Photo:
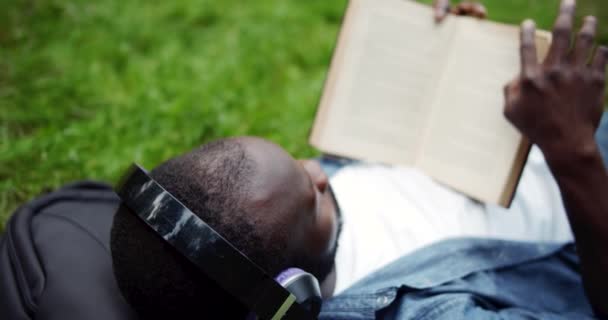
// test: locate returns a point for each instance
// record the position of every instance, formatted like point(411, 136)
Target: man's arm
point(558, 106)
point(583, 182)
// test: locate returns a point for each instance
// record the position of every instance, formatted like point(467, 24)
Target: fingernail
point(590, 19)
point(439, 17)
point(529, 24)
point(569, 2)
point(568, 6)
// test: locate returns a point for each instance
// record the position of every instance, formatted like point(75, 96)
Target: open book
point(403, 90)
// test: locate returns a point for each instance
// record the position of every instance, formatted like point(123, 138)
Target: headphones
point(293, 295)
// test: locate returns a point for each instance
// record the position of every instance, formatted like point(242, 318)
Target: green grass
point(86, 87)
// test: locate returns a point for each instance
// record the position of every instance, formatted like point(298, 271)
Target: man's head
point(278, 211)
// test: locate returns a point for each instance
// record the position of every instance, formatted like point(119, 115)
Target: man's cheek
point(329, 223)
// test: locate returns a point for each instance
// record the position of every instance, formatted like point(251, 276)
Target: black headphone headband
point(206, 248)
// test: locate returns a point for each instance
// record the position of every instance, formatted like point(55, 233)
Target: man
point(282, 213)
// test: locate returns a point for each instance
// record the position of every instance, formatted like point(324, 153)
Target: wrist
point(573, 157)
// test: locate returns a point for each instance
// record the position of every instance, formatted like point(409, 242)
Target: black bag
point(55, 260)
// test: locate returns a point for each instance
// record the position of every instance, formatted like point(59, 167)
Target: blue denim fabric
point(331, 165)
point(470, 279)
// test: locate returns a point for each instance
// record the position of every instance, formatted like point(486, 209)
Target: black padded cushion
point(55, 260)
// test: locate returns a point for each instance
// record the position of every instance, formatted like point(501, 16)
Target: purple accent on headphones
point(287, 275)
point(282, 278)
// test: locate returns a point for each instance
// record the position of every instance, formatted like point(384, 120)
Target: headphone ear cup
point(304, 286)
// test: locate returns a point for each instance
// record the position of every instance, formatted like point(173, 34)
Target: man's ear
point(318, 176)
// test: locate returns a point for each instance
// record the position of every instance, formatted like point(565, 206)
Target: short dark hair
point(153, 277)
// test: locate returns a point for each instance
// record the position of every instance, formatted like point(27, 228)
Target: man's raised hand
point(557, 104)
point(465, 8)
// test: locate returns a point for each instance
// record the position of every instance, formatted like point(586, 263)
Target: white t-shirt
point(391, 211)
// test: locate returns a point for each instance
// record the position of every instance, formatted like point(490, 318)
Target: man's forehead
point(276, 172)
point(280, 189)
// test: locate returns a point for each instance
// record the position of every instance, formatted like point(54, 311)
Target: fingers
point(598, 76)
point(511, 91)
point(529, 58)
point(562, 33)
point(468, 8)
point(441, 9)
point(508, 93)
point(584, 42)
point(463, 8)
point(599, 62)
point(480, 11)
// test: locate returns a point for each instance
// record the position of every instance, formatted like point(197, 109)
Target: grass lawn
point(86, 87)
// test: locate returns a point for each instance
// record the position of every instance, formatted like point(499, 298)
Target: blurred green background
point(86, 87)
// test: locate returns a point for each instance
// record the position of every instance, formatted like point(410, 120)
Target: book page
point(377, 97)
point(469, 144)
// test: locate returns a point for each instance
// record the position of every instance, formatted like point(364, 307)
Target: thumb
point(441, 9)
